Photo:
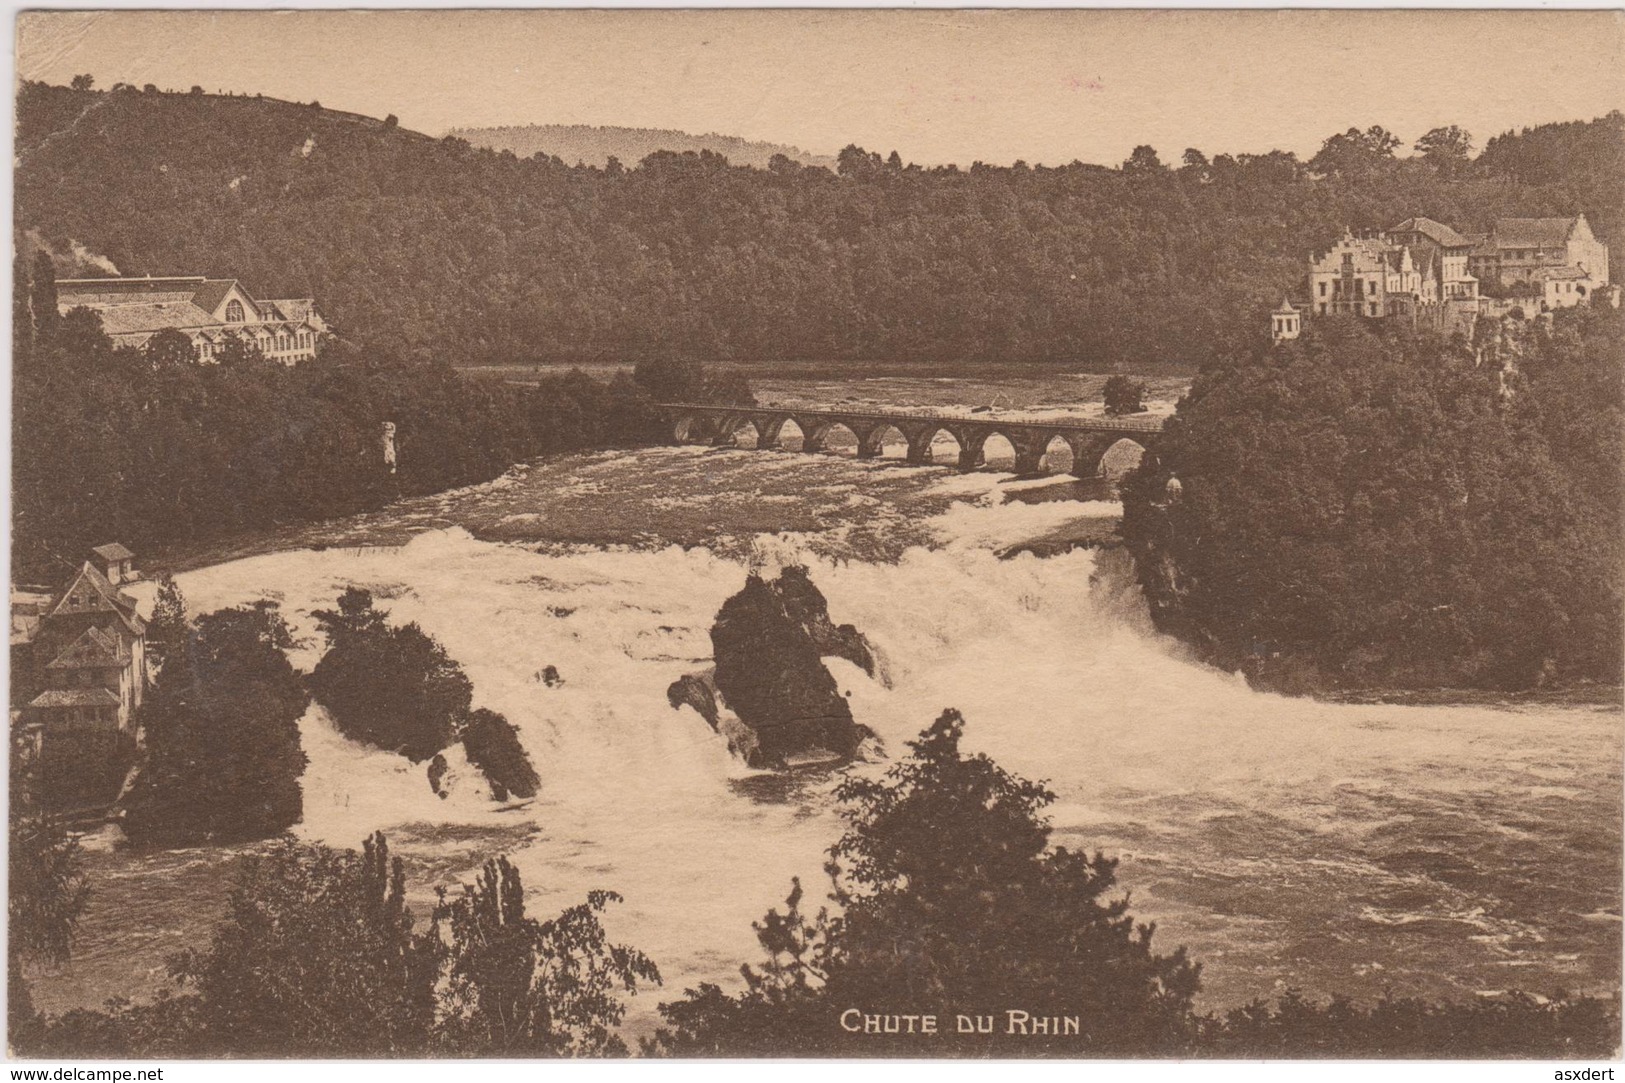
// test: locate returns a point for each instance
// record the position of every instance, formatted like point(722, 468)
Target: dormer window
point(234, 312)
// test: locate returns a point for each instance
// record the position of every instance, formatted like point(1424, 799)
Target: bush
point(392, 688)
point(492, 745)
point(949, 891)
point(223, 758)
point(1122, 396)
point(318, 956)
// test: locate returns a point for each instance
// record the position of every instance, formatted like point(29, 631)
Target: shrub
point(223, 758)
point(492, 745)
point(393, 688)
point(949, 890)
point(1122, 396)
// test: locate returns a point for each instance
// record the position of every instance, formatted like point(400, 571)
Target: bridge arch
point(1058, 456)
point(790, 436)
point(885, 441)
point(996, 450)
point(925, 440)
point(737, 438)
point(1121, 457)
point(1107, 456)
point(693, 429)
point(839, 438)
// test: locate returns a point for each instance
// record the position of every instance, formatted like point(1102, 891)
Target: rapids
point(1427, 850)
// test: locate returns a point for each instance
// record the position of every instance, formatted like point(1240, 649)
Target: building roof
point(149, 318)
point(1563, 273)
point(1286, 308)
point(1437, 232)
point(113, 551)
point(213, 294)
point(75, 697)
point(94, 649)
point(291, 309)
point(133, 309)
point(1532, 232)
point(113, 600)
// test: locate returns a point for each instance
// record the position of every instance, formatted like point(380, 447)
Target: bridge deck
point(1094, 424)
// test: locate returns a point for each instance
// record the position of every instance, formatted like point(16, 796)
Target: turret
point(1285, 322)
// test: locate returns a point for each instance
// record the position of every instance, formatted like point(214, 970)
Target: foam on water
point(1180, 767)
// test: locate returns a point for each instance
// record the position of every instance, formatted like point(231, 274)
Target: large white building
point(1416, 269)
point(209, 311)
point(1426, 272)
point(1557, 261)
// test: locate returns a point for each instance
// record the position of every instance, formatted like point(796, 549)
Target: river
point(1437, 850)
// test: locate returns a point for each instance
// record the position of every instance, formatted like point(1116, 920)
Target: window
point(1323, 289)
point(1373, 308)
point(234, 312)
point(1323, 308)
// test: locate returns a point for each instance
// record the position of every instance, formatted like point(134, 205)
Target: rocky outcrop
point(804, 605)
point(769, 641)
point(697, 690)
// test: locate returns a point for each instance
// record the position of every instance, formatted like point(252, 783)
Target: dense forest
point(598, 145)
point(151, 448)
point(1394, 507)
point(433, 249)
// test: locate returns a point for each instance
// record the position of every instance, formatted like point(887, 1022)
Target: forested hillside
point(1381, 506)
point(438, 250)
point(597, 145)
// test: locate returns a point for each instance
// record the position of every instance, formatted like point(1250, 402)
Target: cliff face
point(769, 642)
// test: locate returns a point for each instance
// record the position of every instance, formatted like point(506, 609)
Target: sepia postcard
point(816, 534)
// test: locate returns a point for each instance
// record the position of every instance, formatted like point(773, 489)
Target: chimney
point(114, 561)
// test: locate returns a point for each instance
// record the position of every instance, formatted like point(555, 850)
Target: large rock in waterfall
point(769, 641)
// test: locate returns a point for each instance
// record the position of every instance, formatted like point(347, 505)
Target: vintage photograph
point(816, 534)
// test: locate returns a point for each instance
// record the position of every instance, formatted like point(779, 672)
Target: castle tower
point(1285, 322)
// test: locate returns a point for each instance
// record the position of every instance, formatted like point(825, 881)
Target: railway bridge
point(1088, 439)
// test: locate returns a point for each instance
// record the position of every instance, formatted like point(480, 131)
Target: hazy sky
point(938, 86)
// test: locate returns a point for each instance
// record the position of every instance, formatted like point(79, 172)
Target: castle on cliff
point(1425, 272)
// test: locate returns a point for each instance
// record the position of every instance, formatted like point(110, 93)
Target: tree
point(391, 122)
point(1355, 153)
point(950, 894)
point(314, 957)
point(1348, 497)
point(46, 892)
point(671, 378)
point(82, 82)
point(168, 627)
point(1143, 161)
point(1123, 396)
point(238, 351)
point(169, 348)
point(393, 688)
point(521, 987)
point(1446, 149)
point(223, 757)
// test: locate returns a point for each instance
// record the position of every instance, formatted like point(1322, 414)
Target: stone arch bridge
point(1088, 439)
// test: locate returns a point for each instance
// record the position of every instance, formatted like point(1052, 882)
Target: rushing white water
point(1197, 779)
point(1440, 850)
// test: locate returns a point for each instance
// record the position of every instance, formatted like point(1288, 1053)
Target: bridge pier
point(768, 428)
point(867, 447)
point(1030, 451)
point(813, 432)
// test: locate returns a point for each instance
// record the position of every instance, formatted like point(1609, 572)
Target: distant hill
point(588, 145)
point(436, 248)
